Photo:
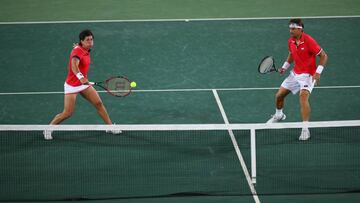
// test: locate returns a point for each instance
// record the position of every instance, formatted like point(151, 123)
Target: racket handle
point(91, 83)
point(313, 83)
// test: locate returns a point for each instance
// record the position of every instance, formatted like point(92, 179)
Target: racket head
point(267, 65)
point(118, 86)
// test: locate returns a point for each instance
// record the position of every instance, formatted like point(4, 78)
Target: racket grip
point(91, 83)
point(313, 83)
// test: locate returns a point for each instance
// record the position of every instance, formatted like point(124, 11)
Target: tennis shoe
point(276, 118)
point(305, 135)
point(47, 134)
point(115, 132)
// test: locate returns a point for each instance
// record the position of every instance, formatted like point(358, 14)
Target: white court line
point(187, 90)
point(237, 148)
point(175, 20)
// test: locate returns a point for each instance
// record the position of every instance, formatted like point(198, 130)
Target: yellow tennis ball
point(133, 84)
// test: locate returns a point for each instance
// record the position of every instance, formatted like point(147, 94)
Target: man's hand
point(316, 77)
point(281, 71)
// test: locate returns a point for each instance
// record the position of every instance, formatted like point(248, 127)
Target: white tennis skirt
point(68, 89)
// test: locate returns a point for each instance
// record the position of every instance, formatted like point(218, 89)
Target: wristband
point(319, 69)
point(286, 65)
point(79, 75)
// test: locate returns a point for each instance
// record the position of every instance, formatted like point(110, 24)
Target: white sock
point(305, 126)
point(279, 112)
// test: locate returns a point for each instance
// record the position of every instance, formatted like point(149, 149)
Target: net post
point(253, 155)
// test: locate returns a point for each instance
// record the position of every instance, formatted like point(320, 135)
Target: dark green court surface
point(176, 64)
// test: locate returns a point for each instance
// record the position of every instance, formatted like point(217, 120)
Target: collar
point(301, 40)
point(84, 50)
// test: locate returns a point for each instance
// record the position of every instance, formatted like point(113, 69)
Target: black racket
point(267, 65)
point(118, 86)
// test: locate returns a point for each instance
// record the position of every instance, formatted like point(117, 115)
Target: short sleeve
point(77, 53)
point(313, 46)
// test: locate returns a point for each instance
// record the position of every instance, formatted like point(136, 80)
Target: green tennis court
point(178, 66)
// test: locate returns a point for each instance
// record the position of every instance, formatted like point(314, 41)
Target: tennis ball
point(133, 84)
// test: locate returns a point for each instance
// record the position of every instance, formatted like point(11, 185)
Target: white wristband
point(319, 69)
point(286, 65)
point(79, 75)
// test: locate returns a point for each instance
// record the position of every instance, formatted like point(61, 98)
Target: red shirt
point(304, 54)
point(84, 56)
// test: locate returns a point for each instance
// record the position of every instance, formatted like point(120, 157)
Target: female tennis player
point(303, 50)
point(77, 82)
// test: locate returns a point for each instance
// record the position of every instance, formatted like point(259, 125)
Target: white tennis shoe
point(276, 118)
point(305, 135)
point(115, 132)
point(47, 134)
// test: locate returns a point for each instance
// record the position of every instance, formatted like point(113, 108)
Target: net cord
point(181, 127)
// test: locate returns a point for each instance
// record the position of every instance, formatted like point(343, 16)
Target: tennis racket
point(267, 65)
point(118, 86)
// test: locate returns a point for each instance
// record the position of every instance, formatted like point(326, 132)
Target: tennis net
point(85, 162)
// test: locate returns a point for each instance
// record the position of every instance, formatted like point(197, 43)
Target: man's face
point(295, 32)
point(88, 42)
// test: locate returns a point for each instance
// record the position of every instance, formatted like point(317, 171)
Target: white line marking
point(221, 108)
point(253, 154)
point(188, 90)
point(237, 148)
point(173, 20)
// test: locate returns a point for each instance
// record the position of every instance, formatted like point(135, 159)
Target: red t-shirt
point(84, 64)
point(304, 54)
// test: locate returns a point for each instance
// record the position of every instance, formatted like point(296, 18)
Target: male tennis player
point(77, 82)
point(303, 50)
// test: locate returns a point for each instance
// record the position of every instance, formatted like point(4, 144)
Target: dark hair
point(297, 21)
point(83, 34)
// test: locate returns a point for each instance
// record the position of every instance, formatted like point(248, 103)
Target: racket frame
point(273, 67)
point(103, 85)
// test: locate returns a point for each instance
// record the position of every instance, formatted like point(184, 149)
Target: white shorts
point(296, 82)
point(68, 89)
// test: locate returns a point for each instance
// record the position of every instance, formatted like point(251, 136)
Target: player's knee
point(304, 96)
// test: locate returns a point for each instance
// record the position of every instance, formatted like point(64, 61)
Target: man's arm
point(286, 64)
point(290, 58)
point(323, 60)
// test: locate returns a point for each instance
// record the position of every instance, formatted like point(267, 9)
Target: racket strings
point(266, 65)
point(118, 86)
